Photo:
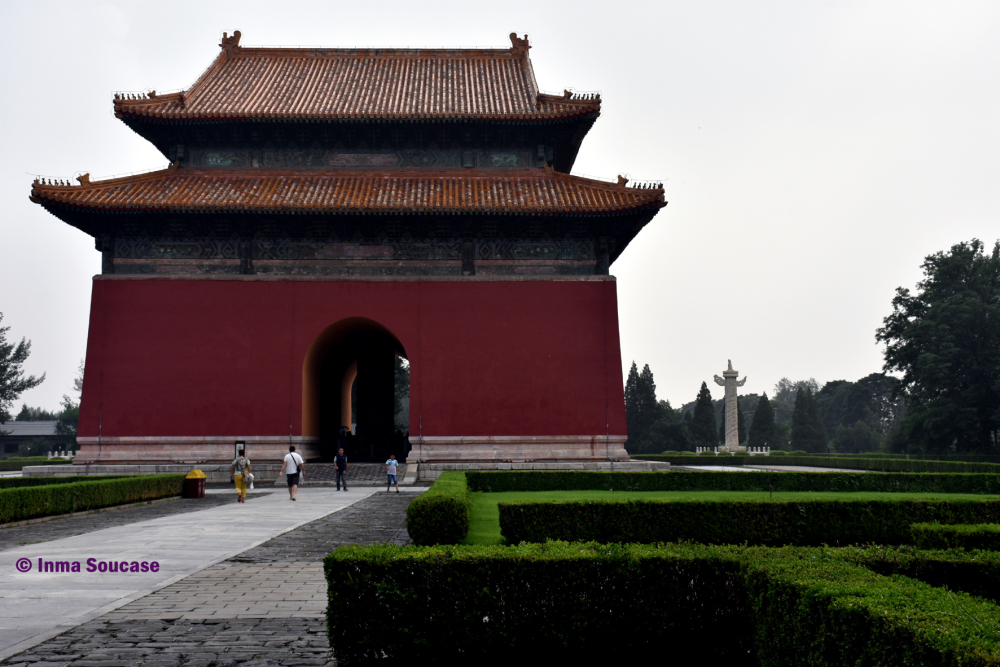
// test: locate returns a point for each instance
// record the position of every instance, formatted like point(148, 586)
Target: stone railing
point(752, 451)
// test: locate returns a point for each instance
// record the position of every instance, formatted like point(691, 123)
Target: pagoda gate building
point(328, 209)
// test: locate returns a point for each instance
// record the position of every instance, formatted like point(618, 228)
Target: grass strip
point(763, 522)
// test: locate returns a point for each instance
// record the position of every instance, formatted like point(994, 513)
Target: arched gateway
point(353, 349)
point(308, 223)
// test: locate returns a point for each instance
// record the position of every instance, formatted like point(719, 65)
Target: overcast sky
point(812, 154)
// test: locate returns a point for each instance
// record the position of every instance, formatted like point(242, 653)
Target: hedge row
point(886, 465)
point(973, 572)
point(773, 523)
point(578, 480)
point(14, 482)
point(960, 536)
point(698, 603)
point(13, 463)
point(440, 515)
point(30, 502)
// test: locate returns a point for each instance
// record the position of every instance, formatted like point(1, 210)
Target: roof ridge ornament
point(231, 45)
point(519, 46)
point(622, 181)
point(84, 179)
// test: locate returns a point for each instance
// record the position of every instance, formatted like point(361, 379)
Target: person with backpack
point(238, 471)
point(295, 466)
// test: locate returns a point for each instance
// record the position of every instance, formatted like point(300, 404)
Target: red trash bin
point(194, 484)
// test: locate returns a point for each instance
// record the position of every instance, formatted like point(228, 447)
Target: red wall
point(169, 357)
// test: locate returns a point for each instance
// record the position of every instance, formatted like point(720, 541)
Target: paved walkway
point(36, 606)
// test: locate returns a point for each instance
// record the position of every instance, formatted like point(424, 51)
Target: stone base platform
point(518, 449)
point(431, 471)
point(189, 450)
point(216, 472)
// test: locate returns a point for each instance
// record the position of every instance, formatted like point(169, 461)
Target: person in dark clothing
point(340, 462)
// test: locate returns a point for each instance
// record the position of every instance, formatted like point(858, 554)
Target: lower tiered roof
point(538, 192)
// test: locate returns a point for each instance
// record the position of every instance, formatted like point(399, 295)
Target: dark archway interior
point(373, 351)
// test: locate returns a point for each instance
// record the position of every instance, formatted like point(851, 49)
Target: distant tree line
point(942, 344)
point(842, 416)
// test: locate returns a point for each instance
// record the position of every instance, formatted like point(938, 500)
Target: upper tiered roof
point(309, 84)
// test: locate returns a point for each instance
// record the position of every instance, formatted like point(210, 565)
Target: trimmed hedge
point(17, 463)
point(886, 465)
point(440, 515)
point(15, 482)
point(580, 480)
point(973, 572)
point(588, 601)
point(31, 502)
point(773, 523)
point(956, 536)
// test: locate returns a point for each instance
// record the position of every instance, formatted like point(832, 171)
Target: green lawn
point(484, 520)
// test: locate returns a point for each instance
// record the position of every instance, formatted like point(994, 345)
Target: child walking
point(390, 467)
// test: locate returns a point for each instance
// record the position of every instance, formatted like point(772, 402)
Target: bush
point(721, 453)
point(778, 452)
point(30, 502)
point(798, 452)
point(976, 573)
point(771, 523)
point(956, 536)
point(18, 462)
point(700, 454)
point(14, 482)
point(581, 480)
point(671, 453)
point(440, 515)
point(585, 601)
point(741, 453)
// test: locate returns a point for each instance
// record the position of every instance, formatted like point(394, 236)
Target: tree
point(762, 426)
point(34, 414)
point(807, 430)
point(641, 407)
point(13, 381)
point(703, 421)
point(945, 340)
point(668, 433)
point(857, 439)
point(784, 396)
point(69, 418)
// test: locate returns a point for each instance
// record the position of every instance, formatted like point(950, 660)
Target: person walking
point(237, 469)
point(295, 466)
point(390, 468)
point(340, 463)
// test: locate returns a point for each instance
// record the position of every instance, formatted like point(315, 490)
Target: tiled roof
point(532, 191)
point(363, 84)
point(29, 428)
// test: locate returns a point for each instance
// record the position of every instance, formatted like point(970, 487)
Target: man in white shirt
point(295, 465)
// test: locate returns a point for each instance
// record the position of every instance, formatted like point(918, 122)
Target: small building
point(13, 433)
point(328, 209)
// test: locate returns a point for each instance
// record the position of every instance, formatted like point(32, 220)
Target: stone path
point(46, 531)
point(209, 619)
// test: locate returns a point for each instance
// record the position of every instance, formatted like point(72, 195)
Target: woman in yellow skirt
point(239, 467)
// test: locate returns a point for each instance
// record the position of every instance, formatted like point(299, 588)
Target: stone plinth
point(189, 450)
point(431, 471)
point(518, 449)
